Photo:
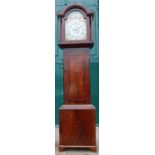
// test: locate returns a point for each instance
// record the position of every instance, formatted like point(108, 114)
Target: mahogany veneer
point(77, 116)
point(76, 76)
point(77, 127)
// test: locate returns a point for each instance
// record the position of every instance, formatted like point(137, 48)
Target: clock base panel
point(77, 128)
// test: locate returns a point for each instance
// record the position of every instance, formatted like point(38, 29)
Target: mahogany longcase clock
point(77, 116)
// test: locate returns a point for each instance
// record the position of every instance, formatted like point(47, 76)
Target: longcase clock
point(77, 116)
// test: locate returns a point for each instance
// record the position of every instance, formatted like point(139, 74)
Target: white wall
point(127, 57)
point(27, 77)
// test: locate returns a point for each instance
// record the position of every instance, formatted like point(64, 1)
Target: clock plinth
point(77, 116)
point(77, 126)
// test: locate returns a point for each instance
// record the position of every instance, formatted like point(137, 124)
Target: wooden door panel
point(76, 88)
point(76, 76)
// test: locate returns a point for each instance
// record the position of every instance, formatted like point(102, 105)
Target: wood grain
point(76, 76)
point(77, 117)
point(74, 151)
point(77, 127)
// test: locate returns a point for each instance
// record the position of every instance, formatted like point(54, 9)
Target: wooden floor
point(74, 151)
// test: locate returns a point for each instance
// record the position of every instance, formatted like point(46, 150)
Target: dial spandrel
point(75, 27)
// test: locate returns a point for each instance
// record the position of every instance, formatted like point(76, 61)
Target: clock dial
point(75, 27)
